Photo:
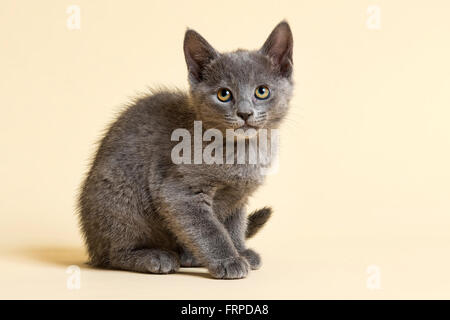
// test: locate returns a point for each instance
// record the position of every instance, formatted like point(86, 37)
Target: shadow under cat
point(67, 256)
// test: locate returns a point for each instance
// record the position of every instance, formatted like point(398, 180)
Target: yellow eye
point(262, 92)
point(224, 95)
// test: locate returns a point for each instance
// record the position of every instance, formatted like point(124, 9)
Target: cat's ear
point(198, 54)
point(279, 46)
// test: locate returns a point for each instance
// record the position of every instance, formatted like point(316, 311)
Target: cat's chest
point(228, 185)
point(244, 176)
point(234, 186)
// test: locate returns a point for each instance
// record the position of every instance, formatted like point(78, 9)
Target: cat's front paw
point(232, 268)
point(161, 261)
point(253, 258)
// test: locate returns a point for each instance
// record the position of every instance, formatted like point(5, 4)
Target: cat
point(140, 212)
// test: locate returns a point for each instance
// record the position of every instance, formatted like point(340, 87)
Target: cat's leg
point(236, 224)
point(125, 239)
point(118, 235)
point(145, 260)
point(189, 214)
point(187, 259)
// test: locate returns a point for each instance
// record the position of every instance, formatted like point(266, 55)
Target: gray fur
point(141, 212)
point(256, 220)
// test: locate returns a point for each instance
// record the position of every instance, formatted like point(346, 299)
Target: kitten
point(140, 211)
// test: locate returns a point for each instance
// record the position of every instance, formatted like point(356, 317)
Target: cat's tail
point(256, 220)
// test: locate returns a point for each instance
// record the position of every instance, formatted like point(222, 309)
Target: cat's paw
point(160, 261)
point(232, 268)
point(253, 258)
point(188, 260)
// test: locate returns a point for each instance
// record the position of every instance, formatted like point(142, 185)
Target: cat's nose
point(244, 114)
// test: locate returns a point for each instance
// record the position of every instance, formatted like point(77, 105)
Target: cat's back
point(138, 141)
point(148, 121)
point(161, 111)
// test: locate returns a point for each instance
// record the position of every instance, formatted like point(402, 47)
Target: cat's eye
point(262, 92)
point(224, 95)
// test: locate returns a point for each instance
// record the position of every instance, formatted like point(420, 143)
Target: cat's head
point(241, 89)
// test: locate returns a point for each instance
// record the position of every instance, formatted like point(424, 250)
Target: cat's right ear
point(198, 54)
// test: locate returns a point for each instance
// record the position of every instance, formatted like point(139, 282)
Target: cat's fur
point(141, 212)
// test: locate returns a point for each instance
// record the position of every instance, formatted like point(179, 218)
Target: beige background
point(364, 176)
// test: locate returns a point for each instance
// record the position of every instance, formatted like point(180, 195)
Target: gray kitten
point(140, 211)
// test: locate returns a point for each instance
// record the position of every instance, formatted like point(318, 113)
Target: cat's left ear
point(198, 54)
point(279, 46)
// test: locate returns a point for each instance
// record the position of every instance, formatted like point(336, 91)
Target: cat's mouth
point(247, 126)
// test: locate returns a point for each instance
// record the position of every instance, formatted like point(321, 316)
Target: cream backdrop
point(361, 198)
